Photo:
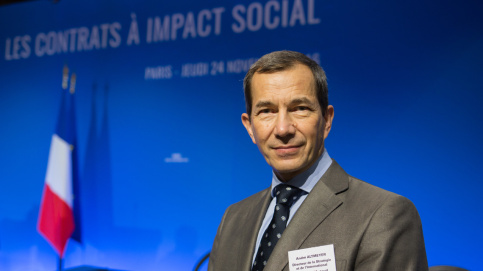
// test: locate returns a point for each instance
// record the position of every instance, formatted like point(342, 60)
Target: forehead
point(294, 82)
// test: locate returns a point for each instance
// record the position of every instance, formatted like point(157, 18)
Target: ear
point(329, 116)
point(248, 125)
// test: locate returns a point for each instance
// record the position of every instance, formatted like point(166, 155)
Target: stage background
point(162, 149)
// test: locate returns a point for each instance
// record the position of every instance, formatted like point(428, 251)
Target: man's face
point(286, 120)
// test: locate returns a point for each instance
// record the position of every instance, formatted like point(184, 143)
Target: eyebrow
point(263, 103)
point(301, 100)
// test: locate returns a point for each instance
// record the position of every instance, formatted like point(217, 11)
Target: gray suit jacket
point(371, 229)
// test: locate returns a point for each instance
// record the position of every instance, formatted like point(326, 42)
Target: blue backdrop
point(159, 98)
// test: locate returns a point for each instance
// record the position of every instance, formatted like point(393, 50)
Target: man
point(288, 118)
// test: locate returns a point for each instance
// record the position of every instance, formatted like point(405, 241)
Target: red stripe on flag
point(56, 220)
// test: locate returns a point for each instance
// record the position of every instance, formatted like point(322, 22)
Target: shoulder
point(365, 193)
point(389, 222)
point(379, 210)
point(364, 199)
point(364, 189)
point(352, 190)
point(250, 202)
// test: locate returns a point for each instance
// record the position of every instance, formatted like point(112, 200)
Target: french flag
point(56, 217)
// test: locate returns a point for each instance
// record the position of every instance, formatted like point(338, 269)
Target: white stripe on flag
point(59, 169)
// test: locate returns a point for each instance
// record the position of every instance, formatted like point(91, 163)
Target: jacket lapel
point(253, 218)
point(319, 204)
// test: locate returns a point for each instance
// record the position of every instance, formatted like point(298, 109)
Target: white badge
point(312, 259)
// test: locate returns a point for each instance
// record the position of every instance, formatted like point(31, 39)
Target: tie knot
point(287, 194)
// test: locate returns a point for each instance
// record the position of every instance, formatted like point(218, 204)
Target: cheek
point(315, 132)
point(256, 135)
point(262, 131)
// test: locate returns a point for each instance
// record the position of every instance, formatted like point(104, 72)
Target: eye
point(265, 111)
point(301, 108)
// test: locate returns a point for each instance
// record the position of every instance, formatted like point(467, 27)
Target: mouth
point(284, 151)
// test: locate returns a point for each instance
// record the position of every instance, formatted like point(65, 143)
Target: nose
point(285, 125)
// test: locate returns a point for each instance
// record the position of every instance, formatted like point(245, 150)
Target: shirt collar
point(307, 179)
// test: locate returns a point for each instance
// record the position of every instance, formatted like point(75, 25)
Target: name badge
point(312, 259)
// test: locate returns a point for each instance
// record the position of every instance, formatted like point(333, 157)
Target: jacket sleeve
point(393, 240)
point(214, 261)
